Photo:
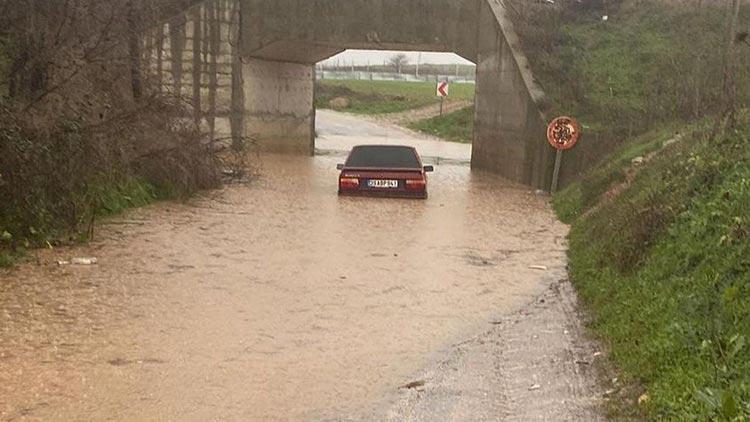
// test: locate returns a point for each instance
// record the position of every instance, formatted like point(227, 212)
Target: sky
point(363, 57)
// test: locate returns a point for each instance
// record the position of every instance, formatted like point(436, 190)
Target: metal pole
point(442, 100)
point(556, 174)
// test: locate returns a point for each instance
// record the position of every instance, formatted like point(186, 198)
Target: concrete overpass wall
point(279, 105)
point(284, 39)
point(307, 31)
point(510, 121)
point(510, 124)
point(255, 67)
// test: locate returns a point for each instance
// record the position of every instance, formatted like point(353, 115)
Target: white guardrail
point(379, 76)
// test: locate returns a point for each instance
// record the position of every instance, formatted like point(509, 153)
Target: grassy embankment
point(380, 97)
point(457, 126)
point(664, 269)
point(648, 66)
point(661, 258)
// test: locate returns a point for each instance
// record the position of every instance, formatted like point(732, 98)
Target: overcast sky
point(363, 57)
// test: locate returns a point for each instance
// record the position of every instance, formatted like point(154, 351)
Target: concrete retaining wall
point(170, 50)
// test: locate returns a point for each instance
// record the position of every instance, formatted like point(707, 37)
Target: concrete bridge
point(250, 64)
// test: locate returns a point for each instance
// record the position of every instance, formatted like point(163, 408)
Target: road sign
point(443, 88)
point(563, 133)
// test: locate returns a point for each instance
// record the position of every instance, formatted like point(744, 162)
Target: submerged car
point(384, 170)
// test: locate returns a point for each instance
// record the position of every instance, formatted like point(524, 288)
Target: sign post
point(563, 133)
point(443, 89)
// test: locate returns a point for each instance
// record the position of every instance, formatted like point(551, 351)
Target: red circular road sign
point(563, 133)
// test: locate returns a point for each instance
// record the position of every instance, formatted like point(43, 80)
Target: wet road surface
point(275, 300)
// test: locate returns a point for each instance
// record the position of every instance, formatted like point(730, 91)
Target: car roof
point(403, 149)
point(384, 146)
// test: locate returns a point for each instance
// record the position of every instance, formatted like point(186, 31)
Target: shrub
point(55, 180)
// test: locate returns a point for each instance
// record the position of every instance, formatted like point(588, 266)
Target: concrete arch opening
point(261, 56)
point(282, 40)
point(389, 97)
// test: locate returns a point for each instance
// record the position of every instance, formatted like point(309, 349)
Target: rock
point(84, 261)
point(637, 161)
point(413, 384)
point(643, 399)
point(535, 387)
point(339, 103)
point(672, 141)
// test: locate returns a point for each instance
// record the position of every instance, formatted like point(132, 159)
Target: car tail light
point(416, 184)
point(349, 183)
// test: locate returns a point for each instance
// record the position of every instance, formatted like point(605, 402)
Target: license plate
point(386, 184)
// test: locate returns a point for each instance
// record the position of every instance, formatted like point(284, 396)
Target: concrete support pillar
point(509, 134)
point(279, 105)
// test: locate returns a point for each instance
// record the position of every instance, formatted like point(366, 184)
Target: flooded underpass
point(275, 300)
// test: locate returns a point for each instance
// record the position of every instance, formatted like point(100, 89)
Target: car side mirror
point(339, 166)
point(429, 169)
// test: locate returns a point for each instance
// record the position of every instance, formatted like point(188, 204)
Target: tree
point(398, 61)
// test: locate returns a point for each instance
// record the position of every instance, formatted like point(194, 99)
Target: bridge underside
point(283, 39)
point(269, 48)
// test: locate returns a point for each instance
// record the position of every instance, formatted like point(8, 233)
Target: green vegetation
point(455, 127)
point(659, 253)
point(5, 64)
point(380, 97)
point(585, 193)
point(664, 269)
point(649, 65)
point(55, 182)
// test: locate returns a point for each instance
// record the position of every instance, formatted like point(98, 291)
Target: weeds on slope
point(664, 269)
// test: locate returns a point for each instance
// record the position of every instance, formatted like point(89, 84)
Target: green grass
point(635, 72)
point(381, 97)
point(107, 195)
point(6, 259)
point(455, 127)
point(664, 270)
point(584, 194)
point(5, 63)
point(115, 194)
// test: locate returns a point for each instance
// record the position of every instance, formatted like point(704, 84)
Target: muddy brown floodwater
point(275, 300)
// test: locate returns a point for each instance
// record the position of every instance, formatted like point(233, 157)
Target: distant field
point(380, 97)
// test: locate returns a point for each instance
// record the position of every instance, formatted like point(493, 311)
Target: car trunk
point(388, 182)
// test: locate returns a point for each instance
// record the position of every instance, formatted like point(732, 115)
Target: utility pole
point(419, 60)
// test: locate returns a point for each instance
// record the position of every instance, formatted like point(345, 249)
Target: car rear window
point(383, 157)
